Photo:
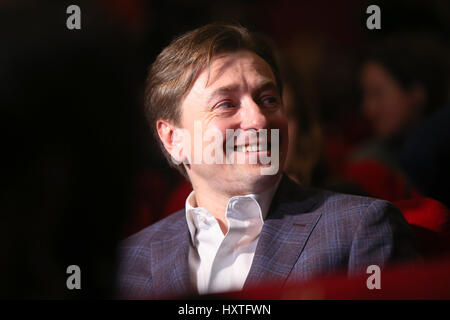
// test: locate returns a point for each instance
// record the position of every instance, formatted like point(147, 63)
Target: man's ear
point(172, 138)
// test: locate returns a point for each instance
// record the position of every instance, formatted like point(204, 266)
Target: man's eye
point(225, 105)
point(269, 101)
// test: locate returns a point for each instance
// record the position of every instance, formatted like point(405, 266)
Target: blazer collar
point(284, 234)
point(170, 262)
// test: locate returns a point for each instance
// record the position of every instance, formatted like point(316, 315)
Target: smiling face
point(238, 92)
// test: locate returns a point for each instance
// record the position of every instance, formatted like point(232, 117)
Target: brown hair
point(177, 66)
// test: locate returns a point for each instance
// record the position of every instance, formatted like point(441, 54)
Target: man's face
point(240, 93)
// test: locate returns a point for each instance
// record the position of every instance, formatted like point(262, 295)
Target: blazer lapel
point(284, 235)
point(170, 262)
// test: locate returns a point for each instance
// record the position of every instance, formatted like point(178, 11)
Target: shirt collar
point(263, 200)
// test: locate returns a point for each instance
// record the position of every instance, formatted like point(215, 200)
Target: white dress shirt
point(218, 262)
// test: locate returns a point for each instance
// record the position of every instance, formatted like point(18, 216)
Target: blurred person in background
point(404, 80)
point(425, 156)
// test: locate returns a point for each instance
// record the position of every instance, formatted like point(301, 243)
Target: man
point(245, 222)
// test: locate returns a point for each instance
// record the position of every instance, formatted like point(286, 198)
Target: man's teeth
point(251, 148)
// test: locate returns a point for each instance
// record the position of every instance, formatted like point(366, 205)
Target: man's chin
point(254, 172)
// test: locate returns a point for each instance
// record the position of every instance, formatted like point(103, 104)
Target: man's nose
point(252, 116)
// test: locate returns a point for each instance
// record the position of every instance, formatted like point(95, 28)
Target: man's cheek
point(213, 152)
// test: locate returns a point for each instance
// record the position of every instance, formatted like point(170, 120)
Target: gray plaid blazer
point(307, 233)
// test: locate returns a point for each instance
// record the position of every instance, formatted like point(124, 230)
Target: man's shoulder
point(344, 202)
point(345, 214)
point(336, 205)
point(325, 200)
point(356, 208)
point(353, 212)
point(156, 232)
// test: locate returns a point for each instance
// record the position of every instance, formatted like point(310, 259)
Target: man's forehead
point(227, 68)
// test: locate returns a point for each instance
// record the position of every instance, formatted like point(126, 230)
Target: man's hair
point(179, 64)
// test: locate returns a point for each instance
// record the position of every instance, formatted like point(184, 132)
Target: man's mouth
point(253, 147)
